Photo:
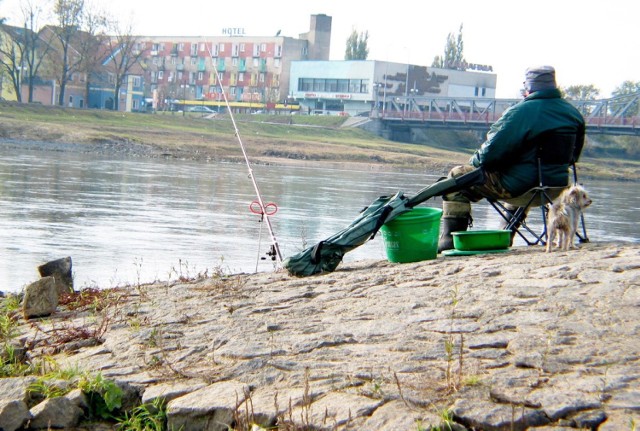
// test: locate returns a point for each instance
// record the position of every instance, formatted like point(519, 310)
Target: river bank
point(508, 341)
point(268, 139)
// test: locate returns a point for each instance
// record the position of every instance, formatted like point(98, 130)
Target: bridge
point(614, 116)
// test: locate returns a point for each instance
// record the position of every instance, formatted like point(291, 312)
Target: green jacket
point(512, 142)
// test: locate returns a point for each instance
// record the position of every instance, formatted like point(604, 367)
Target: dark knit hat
point(540, 78)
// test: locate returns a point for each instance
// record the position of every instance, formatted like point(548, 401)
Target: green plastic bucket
point(413, 236)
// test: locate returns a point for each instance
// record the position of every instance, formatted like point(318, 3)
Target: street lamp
point(414, 93)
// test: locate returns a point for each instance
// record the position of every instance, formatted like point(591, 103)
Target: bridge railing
point(614, 112)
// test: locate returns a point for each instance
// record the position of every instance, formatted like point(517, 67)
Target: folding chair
point(514, 211)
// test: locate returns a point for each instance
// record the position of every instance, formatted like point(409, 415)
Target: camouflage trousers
point(457, 204)
point(491, 188)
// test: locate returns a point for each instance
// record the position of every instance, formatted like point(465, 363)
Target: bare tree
point(23, 50)
point(91, 46)
point(124, 57)
point(11, 56)
point(70, 15)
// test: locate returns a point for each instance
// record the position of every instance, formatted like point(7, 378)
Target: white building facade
point(356, 87)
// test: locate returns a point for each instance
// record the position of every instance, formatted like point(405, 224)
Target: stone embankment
point(511, 341)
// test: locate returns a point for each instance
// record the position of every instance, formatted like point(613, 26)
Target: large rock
point(209, 409)
point(60, 270)
point(15, 388)
point(13, 414)
point(57, 412)
point(40, 298)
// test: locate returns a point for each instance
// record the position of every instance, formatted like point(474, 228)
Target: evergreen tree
point(357, 46)
point(453, 53)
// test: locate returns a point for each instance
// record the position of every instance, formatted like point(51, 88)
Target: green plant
point(446, 421)
point(146, 417)
point(47, 388)
point(8, 316)
point(104, 396)
point(11, 365)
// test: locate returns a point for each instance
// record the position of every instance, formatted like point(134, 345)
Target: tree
point(581, 92)
point(22, 50)
point(123, 57)
point(357, 46)
point(91, 45)
point(453, 53)
point(69, 14)
point(626, 99)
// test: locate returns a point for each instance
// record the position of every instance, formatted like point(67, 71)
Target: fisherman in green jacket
point(542, 125)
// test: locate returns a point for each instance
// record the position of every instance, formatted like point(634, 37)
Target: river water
point(134, 220)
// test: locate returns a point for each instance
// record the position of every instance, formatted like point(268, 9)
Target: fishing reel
point(271, 253)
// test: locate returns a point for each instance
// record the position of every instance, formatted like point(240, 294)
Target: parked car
point(203, 109)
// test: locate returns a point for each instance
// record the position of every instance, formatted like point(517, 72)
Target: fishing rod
point(264, 210)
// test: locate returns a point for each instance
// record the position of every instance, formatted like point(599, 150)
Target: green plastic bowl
point(472, 240)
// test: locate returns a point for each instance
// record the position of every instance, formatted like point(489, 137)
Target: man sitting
point(542, 125)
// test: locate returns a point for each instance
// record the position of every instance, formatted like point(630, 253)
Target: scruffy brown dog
point(564, 215)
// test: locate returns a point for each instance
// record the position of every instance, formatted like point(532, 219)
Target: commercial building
point(356, 87)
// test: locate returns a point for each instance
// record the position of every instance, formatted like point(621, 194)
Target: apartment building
point(252, 70)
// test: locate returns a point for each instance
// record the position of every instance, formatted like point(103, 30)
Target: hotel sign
point(233, 31)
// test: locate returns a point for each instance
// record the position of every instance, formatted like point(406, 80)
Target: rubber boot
point(455, 218)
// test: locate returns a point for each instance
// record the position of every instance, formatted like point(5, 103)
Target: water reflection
point(129, 220)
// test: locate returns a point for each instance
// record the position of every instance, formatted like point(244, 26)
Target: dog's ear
point(573, 195)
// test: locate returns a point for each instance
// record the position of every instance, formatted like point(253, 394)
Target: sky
point(588, 42)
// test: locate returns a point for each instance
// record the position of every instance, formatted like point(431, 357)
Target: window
point(193, 61)
point(160, 75)
point(330, 85)
point(194, 49)
point(234, 50)
point(171, 76)
point(256, 50)
point(278, 51)
point(181, 47)
point(234, 61)
point(202, 47)
point(242, 47)
point(221, 47)
point(137, 81)
point(262, 77)
point(241, 77)
point(173, 60)
point(200, 76)
point(263, 47)
point(276, 62)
